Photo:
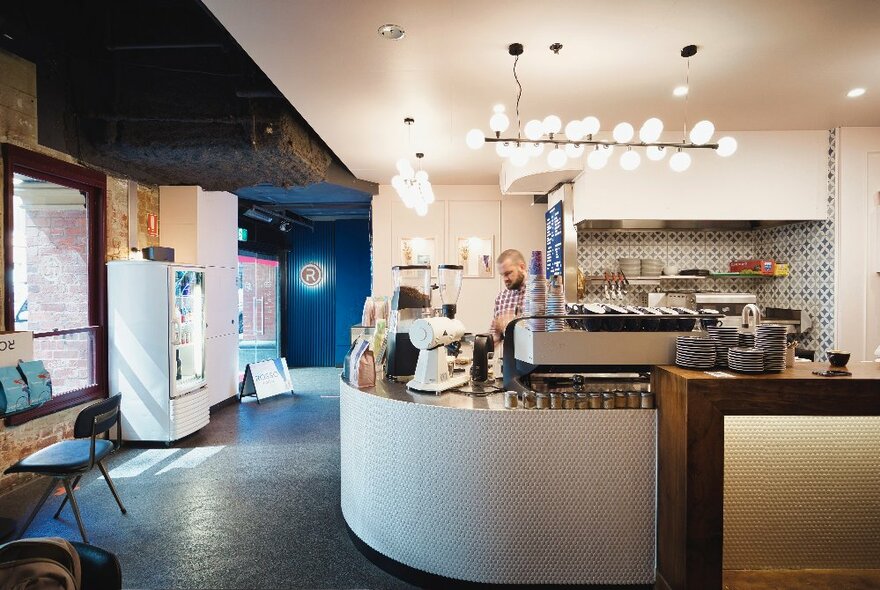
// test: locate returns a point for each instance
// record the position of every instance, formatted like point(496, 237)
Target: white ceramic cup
point(671, 270)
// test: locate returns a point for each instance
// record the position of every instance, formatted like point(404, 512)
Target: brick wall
point(18, 126)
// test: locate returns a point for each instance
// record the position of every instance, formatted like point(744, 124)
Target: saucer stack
point(555, 304)
point(746, 360)
point(725, 338)
point(747, 339)
point(694, 353)
point(771, 339)
point(536, 292)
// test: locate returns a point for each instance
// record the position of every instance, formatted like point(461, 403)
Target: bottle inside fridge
point(189, 325)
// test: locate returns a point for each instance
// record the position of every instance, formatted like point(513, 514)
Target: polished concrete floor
point(251, 501)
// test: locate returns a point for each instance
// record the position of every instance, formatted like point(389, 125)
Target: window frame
point(94, 184)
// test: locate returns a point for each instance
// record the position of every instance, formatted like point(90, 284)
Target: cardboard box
point(755, 266)
point(782, 269)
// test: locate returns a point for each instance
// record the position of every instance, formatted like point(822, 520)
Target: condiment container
point(583, 401)
point(607, 401)
point(555, 401)
point(620, 399)
point(569, 401)
point(528, 401)
point(542, 401)
point(595, 401)
point(633, 400)
point(647, 399)
point(510, 400)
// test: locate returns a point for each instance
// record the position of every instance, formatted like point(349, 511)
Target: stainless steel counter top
point(398, 392)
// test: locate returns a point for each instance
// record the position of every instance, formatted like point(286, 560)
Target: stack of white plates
point(746, 360)
point(771, 339)
point(631, 267)
point(725, 338)
point(746, 340)
point(694, 353)
point(651, 267)
point(555, 305)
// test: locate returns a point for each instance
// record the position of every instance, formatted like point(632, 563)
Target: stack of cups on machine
point(555, 304)
point(536, 292)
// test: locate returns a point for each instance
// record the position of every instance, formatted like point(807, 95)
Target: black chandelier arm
point(663, 144)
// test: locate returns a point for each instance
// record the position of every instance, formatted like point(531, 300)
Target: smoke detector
point(391, 32)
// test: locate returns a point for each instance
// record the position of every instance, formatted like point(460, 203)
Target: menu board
point(553, 218)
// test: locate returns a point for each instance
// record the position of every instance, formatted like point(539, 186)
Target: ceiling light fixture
point(391, 32)
point(856, 92)
point(411, 185)
point(530, 140)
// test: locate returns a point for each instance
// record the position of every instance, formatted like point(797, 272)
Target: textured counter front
point(461, 488)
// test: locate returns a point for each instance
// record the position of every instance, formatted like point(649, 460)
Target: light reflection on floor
point(149, 458)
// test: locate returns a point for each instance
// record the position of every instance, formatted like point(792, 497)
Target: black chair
point(71, 459)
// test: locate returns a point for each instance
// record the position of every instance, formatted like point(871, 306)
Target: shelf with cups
point(656, 279)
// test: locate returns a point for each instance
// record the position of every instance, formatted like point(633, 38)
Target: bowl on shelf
point(671, 270)
point(838, 358)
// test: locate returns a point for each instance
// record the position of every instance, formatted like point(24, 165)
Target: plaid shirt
point(508, 302)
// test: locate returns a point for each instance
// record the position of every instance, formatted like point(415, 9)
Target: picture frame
point(416, 250)
point(477, 256)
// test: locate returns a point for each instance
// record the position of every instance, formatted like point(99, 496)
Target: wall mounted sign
point(153, 225)
point(311, 275)
point(242, 234)
point(553, 217)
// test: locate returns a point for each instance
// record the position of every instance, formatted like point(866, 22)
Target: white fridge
point(156, 325)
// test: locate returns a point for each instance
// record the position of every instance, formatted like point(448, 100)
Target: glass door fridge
point(187, 330)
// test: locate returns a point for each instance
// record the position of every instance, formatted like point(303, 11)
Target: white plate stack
point(631, 267)
point(725, 338)
point(536, 292)
point(746, 360)
point(555, 304)
point(651, 267)
point(746, 339)
point(771, 339)
point(693, 352)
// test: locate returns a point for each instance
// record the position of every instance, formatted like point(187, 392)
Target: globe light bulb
point(597, 160)
point(404, 167)
point(680, 91)
point(503, 148)
point(535, 149)
point(421, 209)
point(422, 176)
point(680, 161)
point(498, 108)
point(474, 139)
point(499, 123)
point(534, 129)
point(573, 150)
point(552, 124)
point(591, 125)
point(519, 156)
point(623, 132)
point(556, 158)
point(398, 184)
point(655, 153)
point(630, 160)
point(574, 130)
point(702, 132)
point(428, 193)
point(606, 150)
point(726, 147)
point(651, 130)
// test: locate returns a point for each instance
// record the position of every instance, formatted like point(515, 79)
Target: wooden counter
point(691, 410)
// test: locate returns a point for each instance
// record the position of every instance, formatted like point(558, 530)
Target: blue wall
point(319, 317)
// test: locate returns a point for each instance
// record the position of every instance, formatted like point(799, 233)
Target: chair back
point(100, 415)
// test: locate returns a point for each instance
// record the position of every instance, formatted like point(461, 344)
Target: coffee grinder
point(449, 283)
point(411, 301)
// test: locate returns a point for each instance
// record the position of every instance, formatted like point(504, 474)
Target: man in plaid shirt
point(508, 303)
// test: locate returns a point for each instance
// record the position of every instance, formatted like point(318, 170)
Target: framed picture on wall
point(477, 256)
point(418, 251)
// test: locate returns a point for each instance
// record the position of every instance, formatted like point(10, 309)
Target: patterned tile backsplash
point(808, 247)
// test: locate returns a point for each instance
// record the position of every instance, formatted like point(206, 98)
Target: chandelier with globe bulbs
point(540, 136)
point(412, 185)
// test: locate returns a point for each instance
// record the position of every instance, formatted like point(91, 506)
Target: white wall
point(460, 211)
point(858, 242)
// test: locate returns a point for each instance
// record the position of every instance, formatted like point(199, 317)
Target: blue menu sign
point(553, 218)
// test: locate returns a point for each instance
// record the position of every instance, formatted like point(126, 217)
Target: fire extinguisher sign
point(153, 225)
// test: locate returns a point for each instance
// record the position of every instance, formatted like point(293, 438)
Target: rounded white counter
point(461, 488)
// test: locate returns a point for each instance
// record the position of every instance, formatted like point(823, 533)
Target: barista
point(509, 302)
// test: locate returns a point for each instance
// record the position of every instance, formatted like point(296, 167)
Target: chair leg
point(112, 487)
point(64, 501)
point(73, 504)
point(39, 505)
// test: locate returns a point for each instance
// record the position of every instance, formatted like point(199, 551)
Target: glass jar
point(583, 401)
point(607, 401)
point(555, 401)
point(620, 400)
point(510, 400)
point(569, 401)
point(647, 401)
point(412, 287)
point(633, 400)
point(542, 401)
point(595, 401)
point(528, 400)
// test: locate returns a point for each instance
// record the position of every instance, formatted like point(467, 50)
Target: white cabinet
point(774, 175)
point(202, 227)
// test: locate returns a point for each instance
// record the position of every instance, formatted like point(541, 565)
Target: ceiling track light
point(537, 134)
point(412, 185)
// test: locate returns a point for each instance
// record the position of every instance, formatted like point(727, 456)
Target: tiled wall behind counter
point(807, 246)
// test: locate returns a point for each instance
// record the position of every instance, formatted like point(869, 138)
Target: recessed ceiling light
point(391, 32)
point(855, 92)
point(680, 90)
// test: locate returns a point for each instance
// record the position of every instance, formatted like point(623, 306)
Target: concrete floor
point(250, 501)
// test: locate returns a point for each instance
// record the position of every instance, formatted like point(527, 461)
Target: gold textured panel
point(801, 492)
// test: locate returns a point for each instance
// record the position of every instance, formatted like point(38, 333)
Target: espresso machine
point(411, 301)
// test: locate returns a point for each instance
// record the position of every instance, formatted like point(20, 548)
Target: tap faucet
point(750, 311)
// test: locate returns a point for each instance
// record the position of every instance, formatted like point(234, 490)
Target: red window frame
point(94, 186)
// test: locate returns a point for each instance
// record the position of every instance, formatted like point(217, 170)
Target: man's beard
point(516, 284)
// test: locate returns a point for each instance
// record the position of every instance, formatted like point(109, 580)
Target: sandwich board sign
point(265, 379)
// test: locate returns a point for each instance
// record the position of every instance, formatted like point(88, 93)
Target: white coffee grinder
point(431, 336)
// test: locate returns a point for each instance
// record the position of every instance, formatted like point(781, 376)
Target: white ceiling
point(762, 65)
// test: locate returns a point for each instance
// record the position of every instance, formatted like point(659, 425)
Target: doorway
point(258, 307)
